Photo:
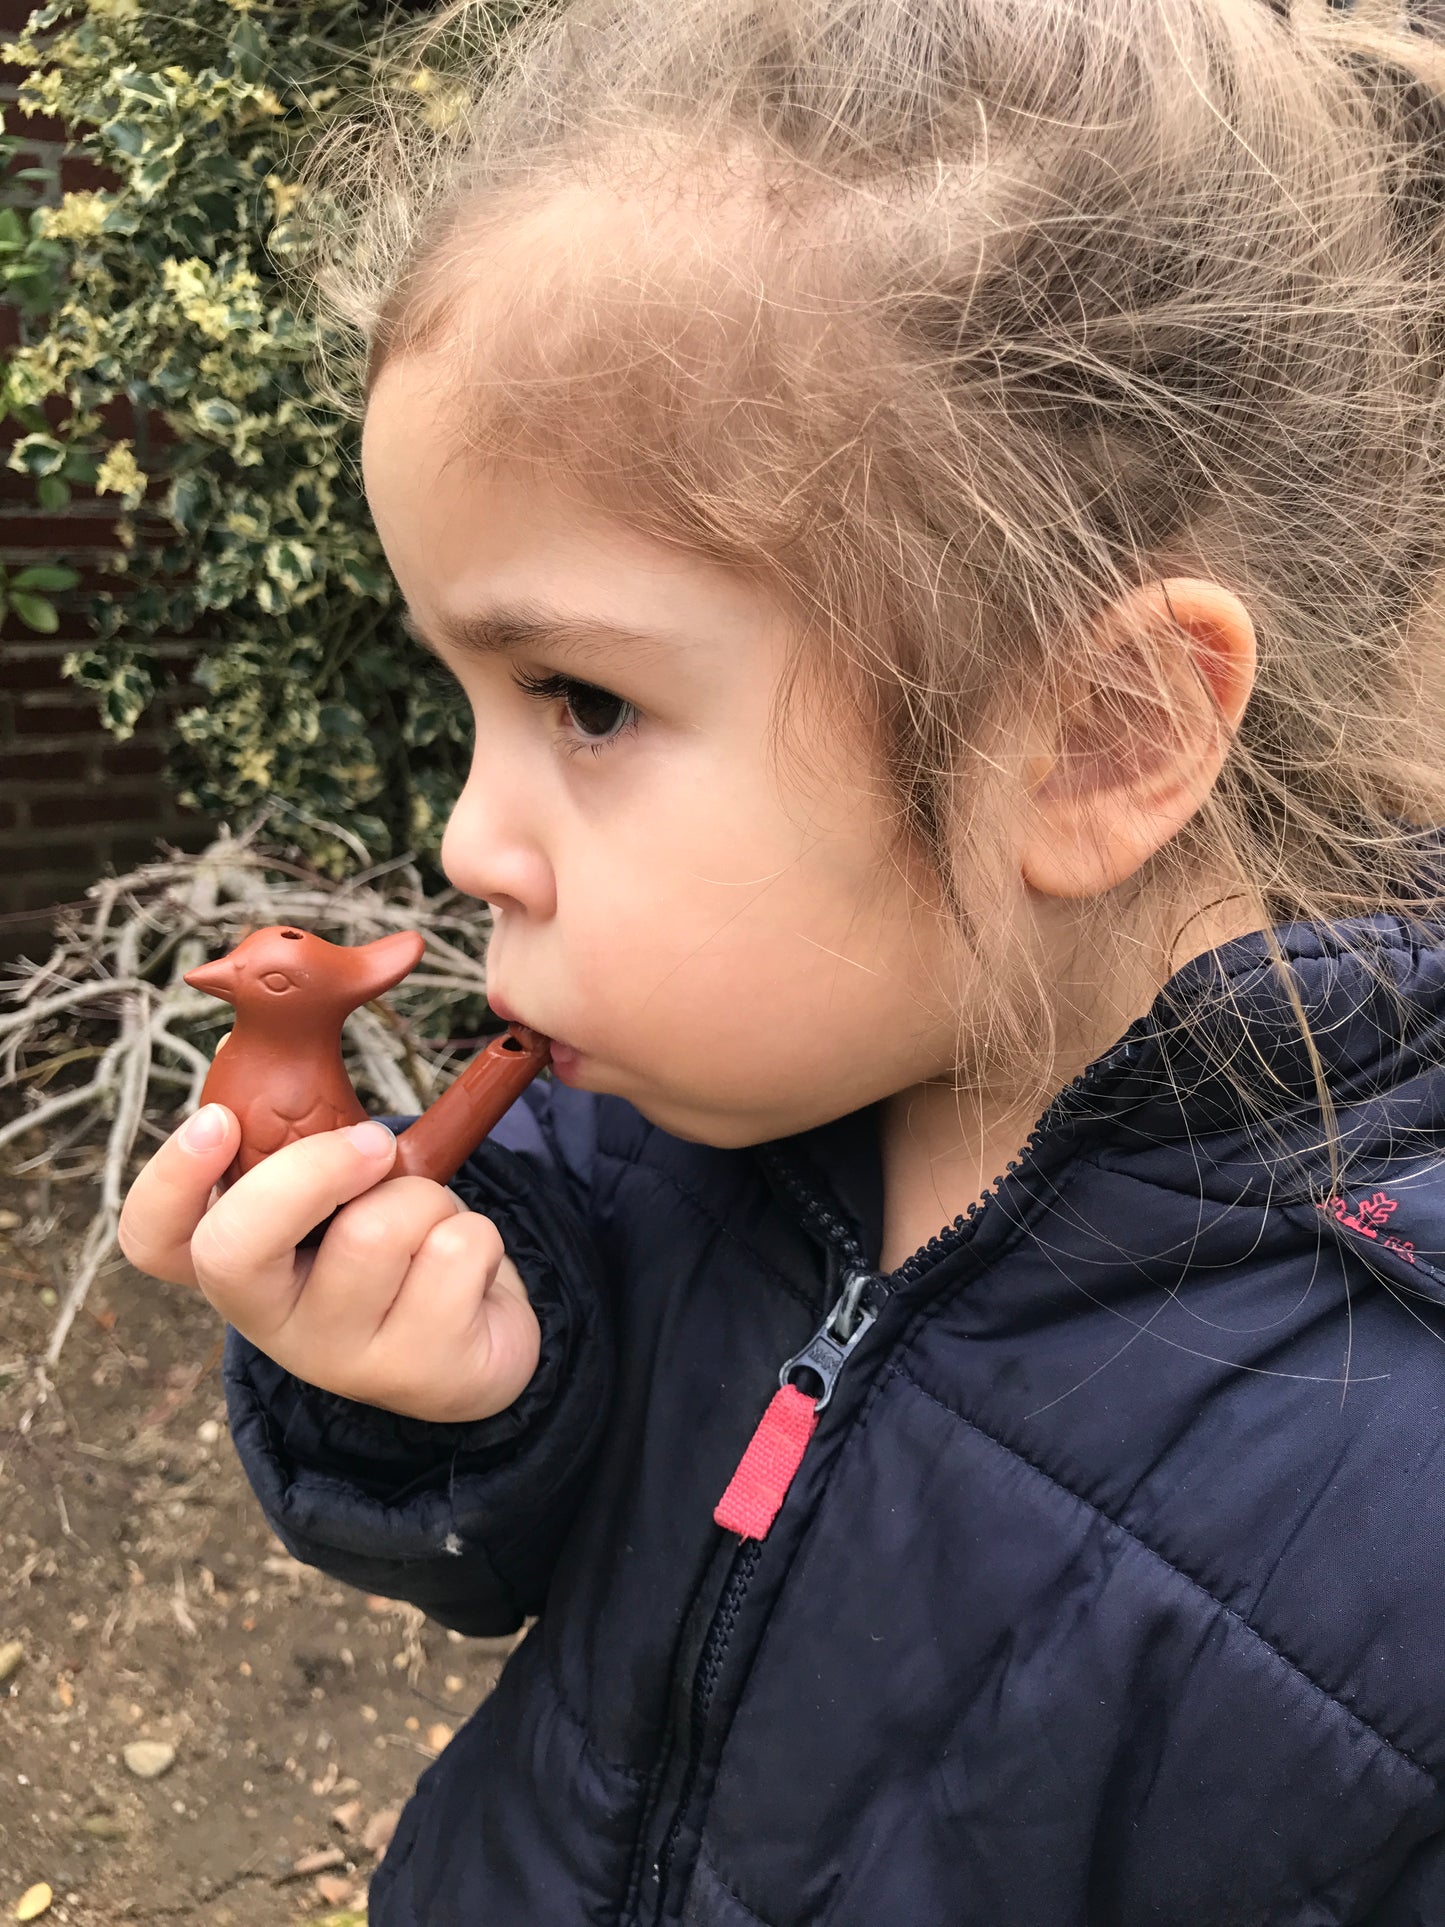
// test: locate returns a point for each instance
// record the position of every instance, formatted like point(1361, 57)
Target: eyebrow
point(506, 628)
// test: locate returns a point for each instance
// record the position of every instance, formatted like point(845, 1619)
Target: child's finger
point(462, 1318)
point(358, 1270)
point(450, 1277)
point(244, 1249)
point(171, 1195)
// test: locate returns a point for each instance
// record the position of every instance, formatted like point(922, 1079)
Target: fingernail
point(206, 1129)
point(373, 1140)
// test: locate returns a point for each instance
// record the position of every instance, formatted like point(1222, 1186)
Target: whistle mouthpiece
point(448, 1131)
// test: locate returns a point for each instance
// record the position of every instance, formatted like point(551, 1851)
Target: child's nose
point(490, 854)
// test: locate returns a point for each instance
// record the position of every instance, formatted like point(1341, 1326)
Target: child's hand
point(409, 1302)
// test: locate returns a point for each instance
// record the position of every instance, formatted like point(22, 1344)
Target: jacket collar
point(1217, 1078)
point(1223, 1049)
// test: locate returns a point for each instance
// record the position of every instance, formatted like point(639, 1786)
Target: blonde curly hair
point(953, 321)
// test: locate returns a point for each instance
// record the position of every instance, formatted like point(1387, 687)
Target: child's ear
point(1141, 737)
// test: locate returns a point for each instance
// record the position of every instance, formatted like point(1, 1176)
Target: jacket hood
point(1227, 1071)
point(1214, 1088)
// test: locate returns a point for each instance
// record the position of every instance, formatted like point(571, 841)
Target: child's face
point(723, 941)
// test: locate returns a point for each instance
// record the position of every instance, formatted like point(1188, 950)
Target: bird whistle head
point(280, 965)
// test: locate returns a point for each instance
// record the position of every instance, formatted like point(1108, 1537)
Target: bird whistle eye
point(277, 980)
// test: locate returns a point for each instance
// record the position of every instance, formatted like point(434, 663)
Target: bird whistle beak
point(217, 979)
point(380, 966)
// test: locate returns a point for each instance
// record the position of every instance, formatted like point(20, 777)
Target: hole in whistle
point(517, 1037)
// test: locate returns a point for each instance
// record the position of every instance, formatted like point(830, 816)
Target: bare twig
point(66, 1001)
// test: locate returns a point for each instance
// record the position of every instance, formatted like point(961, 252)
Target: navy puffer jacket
point(1109, 1589)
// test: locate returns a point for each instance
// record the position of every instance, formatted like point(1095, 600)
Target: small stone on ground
point(149, 1759)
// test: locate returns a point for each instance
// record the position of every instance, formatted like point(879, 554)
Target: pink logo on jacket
point(1369, 1217)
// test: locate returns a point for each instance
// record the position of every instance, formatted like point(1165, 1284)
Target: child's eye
point(598, 716)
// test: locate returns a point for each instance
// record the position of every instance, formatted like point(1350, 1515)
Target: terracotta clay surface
point(281, 1070)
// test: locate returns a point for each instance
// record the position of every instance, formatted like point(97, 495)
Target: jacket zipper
point(1084, 1085)
point(823, 1357)
point(704, 1685)
point(863, 1296)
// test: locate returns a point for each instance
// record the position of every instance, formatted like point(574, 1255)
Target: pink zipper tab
point(775, 1451)
point(768, 1467)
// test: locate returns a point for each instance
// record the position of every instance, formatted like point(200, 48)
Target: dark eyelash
point(550, 686)
point(554, 687)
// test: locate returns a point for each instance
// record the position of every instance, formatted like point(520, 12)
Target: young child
point(934, 506)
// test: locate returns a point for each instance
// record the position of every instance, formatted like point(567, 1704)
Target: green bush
point(171, 292)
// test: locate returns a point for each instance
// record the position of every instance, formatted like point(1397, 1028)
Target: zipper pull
point(767, 1468)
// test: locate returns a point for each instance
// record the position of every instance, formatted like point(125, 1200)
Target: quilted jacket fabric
point(1110, 1588)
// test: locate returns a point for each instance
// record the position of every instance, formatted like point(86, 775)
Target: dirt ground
point(149, 1602)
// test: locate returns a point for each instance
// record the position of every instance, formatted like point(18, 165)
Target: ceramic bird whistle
point(281, 1070)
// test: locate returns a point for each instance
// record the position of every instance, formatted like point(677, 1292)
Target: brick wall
point(72, 799)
